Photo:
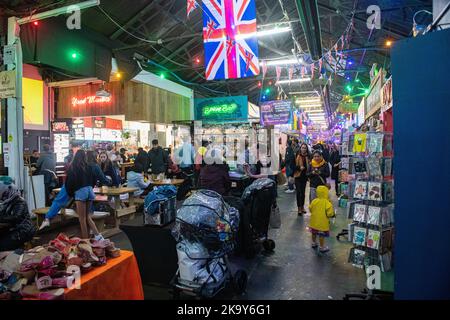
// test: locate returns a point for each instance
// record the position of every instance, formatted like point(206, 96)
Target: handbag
point(325, 183)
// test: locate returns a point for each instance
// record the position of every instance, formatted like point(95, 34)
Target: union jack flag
point(191, 6)
point(229, 36)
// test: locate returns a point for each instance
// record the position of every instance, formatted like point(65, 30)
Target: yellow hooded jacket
point(321, 210)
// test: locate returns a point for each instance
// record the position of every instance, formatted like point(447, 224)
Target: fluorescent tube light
point(58, 11)
point(294, 80)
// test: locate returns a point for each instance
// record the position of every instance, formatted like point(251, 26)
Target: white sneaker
point(45, 224)
point(290, 191)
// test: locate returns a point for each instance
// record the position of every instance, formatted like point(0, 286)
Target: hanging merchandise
point(302, 71)
point(312, 71)
point(359, 144)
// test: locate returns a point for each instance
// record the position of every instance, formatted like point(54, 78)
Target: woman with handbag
point(318, 172)
point(302, 164)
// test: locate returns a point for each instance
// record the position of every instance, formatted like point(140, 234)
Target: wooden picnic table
point(175, 182)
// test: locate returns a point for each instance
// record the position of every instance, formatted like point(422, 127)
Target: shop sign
point(222, 109)
point(373, 101)
point(83, 101)
point(386, 96)
point(348, 107)
point(276, 112)
point(60, 126)
point(7, 84)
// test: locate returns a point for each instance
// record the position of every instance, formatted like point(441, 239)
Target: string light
point(388, 43)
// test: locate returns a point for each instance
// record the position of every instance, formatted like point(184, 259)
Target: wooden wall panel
point(65, 109)
point(147, 103)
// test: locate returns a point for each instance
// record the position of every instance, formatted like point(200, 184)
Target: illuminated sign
point(89, 100)
point(219, 109)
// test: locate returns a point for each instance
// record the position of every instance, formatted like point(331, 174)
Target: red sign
point(89, 100)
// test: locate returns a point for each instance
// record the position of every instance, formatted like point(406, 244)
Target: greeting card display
point(359, 143)
point(357, 257)
point(345, 163)
point(344, 148)
point(387, 143)
point(351, 231)
point(386, 240)
point(386, 261)
point(373, 215)
point(360, 190)
point(374, 192)
point(375, 142)
point(388, 191)
point(387, 167)
point(373, 239)
point(360, 165)
point(359, 237)
point(360, 212)
point(374, 166)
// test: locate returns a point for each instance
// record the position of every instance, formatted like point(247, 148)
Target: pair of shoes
point(31, 291)
point(324, 249)
point(314, 245)
point(290, 191)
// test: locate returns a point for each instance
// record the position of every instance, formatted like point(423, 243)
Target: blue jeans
point(58, 203)
point(85, 194)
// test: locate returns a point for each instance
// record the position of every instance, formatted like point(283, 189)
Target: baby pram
point(206, 230)
point(259, 199)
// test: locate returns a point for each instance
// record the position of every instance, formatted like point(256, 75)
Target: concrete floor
point(294, 271)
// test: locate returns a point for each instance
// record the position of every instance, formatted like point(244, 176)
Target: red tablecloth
point(119, 279)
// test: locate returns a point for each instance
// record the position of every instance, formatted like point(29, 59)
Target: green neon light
point(222, 109)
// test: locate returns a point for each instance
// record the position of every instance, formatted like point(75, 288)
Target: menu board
point(78, 129)
point(276, 112)
point(61, 145)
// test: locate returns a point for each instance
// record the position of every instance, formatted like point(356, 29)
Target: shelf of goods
point(367, 192)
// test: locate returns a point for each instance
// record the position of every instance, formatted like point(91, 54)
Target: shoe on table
point(45, 224)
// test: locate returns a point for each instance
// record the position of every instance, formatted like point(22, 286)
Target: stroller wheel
point(240, 281)
point(269, 245)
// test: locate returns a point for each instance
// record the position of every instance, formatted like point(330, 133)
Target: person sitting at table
point(135, 178)
point(108, 169)
point(123, 155)
point(215, 176)
point(14, 212)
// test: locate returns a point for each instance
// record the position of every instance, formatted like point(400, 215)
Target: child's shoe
point(324, 249)
point(314, 245)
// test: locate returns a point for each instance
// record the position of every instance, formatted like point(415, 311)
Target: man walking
point(158, 160)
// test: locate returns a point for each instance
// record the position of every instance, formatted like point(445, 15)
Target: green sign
point(223, 109)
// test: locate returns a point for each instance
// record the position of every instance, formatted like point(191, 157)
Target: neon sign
point(89, 100)
point(219, 109)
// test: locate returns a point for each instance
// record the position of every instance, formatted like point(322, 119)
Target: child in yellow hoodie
point(321, 212)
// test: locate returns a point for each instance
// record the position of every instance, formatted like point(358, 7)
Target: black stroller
point(259, 198)
point(206, 230)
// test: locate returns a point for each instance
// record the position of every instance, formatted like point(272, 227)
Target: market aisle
point(295, 271)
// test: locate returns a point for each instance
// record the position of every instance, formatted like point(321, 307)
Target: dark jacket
point(110, 171)
point(289, 161)
point(334, 159)
point(215, 177)
point(15, 212)
point(99, 175)
point(142, 158)
point(314, 179)
point(303, 173)
point(157, 158)
point(46, 161)
point(76, 180)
